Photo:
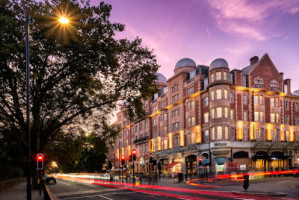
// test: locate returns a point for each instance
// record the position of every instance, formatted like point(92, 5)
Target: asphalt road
point(64, 190)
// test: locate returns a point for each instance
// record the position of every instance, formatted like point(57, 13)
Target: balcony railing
point(142, 139)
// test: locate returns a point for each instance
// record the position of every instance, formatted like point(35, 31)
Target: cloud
point(250, 19)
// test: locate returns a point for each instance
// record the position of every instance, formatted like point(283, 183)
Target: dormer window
point(258, 82)
point(274, 85)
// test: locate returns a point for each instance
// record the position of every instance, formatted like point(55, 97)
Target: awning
point(172, 164)
point(220, 161)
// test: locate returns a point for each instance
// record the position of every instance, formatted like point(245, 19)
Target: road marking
point(105, 197)
point(88, 197)
point(85, 192)
point(282, 182)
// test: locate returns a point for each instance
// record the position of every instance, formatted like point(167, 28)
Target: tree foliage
point(76, 70)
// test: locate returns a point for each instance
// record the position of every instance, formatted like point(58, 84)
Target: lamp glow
point(64, 20)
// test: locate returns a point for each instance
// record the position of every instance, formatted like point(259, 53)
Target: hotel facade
point(211, 118)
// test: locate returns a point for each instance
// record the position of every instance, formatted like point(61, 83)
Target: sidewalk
point(18, 192)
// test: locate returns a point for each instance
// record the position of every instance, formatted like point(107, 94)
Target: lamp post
point(62, 20)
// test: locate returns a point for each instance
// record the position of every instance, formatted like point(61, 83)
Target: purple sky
point(204, 30)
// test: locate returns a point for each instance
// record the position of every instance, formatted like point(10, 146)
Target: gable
point(265, 75)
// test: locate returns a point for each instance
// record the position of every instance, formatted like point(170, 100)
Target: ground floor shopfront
point(219, 157)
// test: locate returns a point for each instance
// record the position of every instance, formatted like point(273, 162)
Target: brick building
point(235, 120)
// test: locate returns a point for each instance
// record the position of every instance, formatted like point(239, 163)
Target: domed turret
point(185, 62)
point(184, 65)
point(161, 78)
point(218, 63)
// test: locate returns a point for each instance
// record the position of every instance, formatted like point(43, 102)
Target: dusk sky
point(235, 30)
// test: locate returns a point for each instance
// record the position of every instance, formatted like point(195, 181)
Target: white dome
point(185, 62)
point(219, 63)
point(161, 78)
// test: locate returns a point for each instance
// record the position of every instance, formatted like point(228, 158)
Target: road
point(72, 189)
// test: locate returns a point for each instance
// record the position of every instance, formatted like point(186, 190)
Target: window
point(165, 144)
point(296, 106)
point(212, 95)
point(188, 139)
point(175, 98)
point(272, 102)
point(245, 116)
point(155, 121)
point(272, 117)
point(165, 116)
point(257, 134)
point(226, 132)
point(245, 99)
point(213, 113)
point(277, 102)
point(155, 109)
point(232, 114)
point(155, 133)
point(278, 135)
point(207, 138)
point(175, 88)
point(272, 135)
point(175, 142)
point(165, 129)
point(218, 76)
point(225, 94)
point(258, 116)
point(140, 126)
point(219, 112)
point(193, 121)
point(245, 134)
point(206, 101)
point(175, 113)
point(212, 78)
point(190, 105)
point(256, 99)
point(175, 126)
point(261, 100)
point(282, 136)
point(232, 134)
point(225, 76)
point(231, 97)
point(206, 117)
point(190, 90)
point(219, 132)
point(288, 136)
point(277, 118)
point(212, 133)
point(218, 94)
point(296, 121)
point(193, 137)
point(163, 104)
point(287, 119)
point(286, 105)
point(225, 112)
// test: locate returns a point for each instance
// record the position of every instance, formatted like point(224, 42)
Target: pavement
point(18, 192)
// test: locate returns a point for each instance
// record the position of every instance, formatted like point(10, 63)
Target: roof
point(247, 69)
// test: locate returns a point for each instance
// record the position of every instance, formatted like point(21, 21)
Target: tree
point(76, 70)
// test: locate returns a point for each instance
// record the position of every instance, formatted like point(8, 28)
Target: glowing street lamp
point(64, 20)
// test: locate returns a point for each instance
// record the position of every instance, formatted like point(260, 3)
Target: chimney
point(254, 60)
point(281, 74)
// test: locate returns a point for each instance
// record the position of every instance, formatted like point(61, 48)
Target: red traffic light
point(151, 155)
point(40, 157)
point(199, 159)
point(134, 152)
point(123, 157)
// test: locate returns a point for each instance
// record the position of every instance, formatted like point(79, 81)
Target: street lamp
point(62, 20)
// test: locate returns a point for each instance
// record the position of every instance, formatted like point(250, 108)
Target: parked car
point(50, 180)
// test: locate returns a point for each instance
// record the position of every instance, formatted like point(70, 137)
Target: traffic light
point(134, 152)
point(199, 161)
point(123, 160)
point(245, 182)
point(40, 161)
point(151, 158)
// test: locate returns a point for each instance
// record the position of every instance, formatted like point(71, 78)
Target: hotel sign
point(220, 144)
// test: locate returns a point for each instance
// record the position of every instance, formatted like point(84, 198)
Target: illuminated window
point(155, 121)
point(288, 136)
point(193, 136)
point(218, 94)
point(232, 114)
point(225, 94)
point(206, 117)
point(206, 101)
point(212, 95)
point(256, 99)
point(261, 100)
point(277, 118)
point(193, 121)
point(272, 117)
point(165, 116)
point(245, 116)
point(213, 133)
point(272, 135)
point(277, 102)
point(219, 112)
point(207, 136)
point(226, 112)
point(213, 113)
point(212, 78)
point(272, 102)
point(257, 134)
point(218, 76)
point(219, 132)
point(225, 76)
point(282, 137)
point(226, 132)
